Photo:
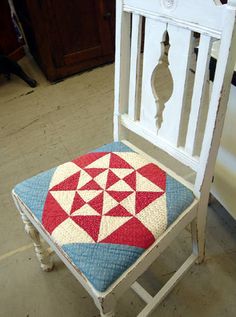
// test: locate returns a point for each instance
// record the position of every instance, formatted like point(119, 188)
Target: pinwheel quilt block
point(104, 209)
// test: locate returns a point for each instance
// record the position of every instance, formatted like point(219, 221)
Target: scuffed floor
point(48, 125)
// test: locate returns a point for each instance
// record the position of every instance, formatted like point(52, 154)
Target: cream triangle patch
point(63, 172)
point(83, 179)
point(154, 216)
point(69, 232)
point(108, 203)
point(121, 172)
point(120, 186)
point(85, 210)
point(145, 185)
point(109, 225)
point(64, 198)
point(129, 203)
point(101, 179)
point(88, 195)
point(102, 162)
point(133, 159)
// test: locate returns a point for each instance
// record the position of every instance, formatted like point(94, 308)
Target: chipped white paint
point(122, 65)
point(181, 18)
point(135, 65)
point(224, 186)
point(198, 93)
point(179, 58)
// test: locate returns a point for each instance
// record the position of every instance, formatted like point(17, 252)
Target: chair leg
point(42, 255)
point(201, 244)
point(198, 238)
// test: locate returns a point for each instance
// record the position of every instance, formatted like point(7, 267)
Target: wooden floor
point(48, 125)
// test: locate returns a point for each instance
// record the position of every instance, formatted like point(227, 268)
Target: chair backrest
point(146, 116)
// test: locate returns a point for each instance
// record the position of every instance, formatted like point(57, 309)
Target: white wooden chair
point(109, 214)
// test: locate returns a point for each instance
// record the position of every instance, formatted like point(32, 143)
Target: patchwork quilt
point(105, 208)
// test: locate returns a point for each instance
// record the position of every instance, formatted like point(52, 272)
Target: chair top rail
point(185, 13)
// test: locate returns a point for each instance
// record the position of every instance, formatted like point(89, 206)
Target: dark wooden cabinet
point(9, 44)
point(66, 37)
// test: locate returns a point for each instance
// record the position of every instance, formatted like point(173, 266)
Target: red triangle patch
point(77, 203)
point(155, 174)
point(118, 211)
point(117, 162)
point(91, 224)
point(53, 214)
point(111, 179)
point(143, 199)
point(69, 183)
point(91, 185)
point(131, 180)
point(93, 172)
point(118, 196)
point(132, 233)
point(85, 160)
point(97, 203)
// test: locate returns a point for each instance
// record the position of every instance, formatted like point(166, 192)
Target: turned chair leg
point(42, 255)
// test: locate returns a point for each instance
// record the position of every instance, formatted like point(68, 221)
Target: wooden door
point(79, 32)
point(68, 36)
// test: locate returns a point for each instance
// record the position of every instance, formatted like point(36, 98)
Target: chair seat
point(104, 209)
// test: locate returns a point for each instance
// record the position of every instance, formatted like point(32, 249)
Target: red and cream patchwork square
point(107, 197)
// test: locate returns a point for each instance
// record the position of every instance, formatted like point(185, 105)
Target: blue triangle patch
point(102, 264)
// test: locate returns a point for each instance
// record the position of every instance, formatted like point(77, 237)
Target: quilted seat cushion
point(104, 209)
